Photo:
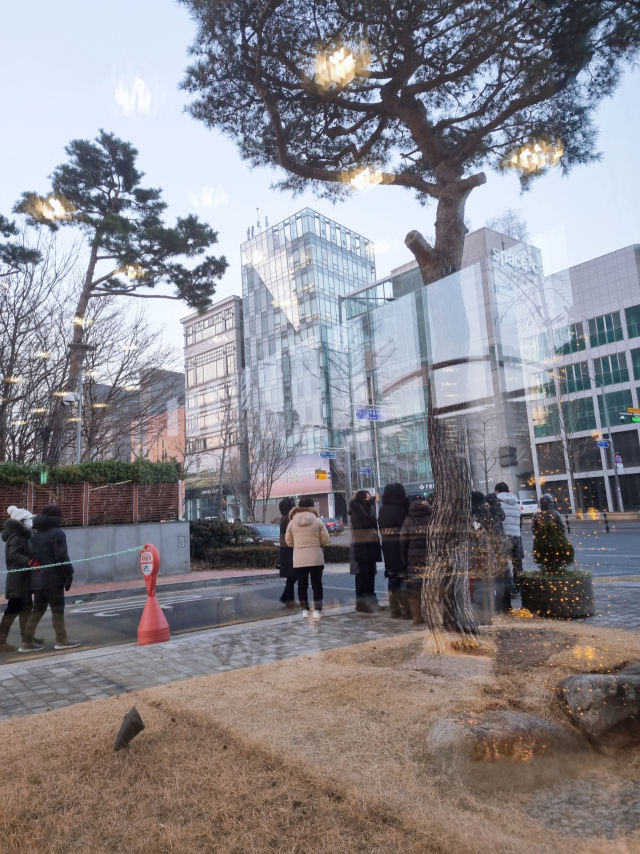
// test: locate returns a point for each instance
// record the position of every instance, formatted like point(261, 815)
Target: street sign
point(603, 444)
point(321, 474)
point(633, 411)
point(328, 455)
point(618, 460)
point(635, 419)
point(366, 471)
point(619, 464)
point(372, 413)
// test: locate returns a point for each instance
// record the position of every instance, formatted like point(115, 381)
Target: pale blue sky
point(69, 67)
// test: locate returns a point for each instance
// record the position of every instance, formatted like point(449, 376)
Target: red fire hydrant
point(153, 627)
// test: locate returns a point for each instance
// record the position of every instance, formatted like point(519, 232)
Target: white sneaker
point(316, 614)
point(306, 613)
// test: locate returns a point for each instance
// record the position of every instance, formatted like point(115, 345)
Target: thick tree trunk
point(446, 584)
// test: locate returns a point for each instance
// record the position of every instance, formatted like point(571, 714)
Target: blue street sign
point(603, 444)
point(328, 455)
point(366, 471)
point(372, 413)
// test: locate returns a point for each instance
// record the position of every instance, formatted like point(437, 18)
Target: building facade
point(213, 344)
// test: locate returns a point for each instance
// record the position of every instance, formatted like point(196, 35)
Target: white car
point(528, 506)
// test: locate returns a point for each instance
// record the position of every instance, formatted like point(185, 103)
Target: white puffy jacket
point(511, 506)
point(306, 534)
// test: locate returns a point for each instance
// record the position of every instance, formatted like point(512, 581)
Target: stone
point(605, 707)
point(504, 750)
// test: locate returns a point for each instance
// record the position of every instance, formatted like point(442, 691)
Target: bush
point(255, 557)
point(97, 471)
point(206, 534)
point(551, 549)
point(336, 554)
point(15, 474)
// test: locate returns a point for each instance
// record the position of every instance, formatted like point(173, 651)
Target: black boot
point(415, 604)
point(394, 604)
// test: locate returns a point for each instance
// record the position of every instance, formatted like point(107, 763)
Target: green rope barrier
point(66, 563)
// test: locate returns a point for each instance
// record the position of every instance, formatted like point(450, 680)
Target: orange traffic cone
point(153, 627)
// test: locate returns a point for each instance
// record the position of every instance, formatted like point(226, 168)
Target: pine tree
point(551, 549)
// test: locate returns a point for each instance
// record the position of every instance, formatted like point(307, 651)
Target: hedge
point(208, 534)
point(97, 471)
point(261, 557)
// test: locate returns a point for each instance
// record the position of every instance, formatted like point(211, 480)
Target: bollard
point(606, 522)
point(567, 520)
point(132, 725)
point(153, 626)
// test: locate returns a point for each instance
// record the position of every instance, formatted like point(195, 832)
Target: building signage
point(366, 471)
point(372, 413)
point(301, 477)
point(520, 262)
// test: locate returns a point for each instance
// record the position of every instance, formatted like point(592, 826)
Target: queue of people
point(39, 573)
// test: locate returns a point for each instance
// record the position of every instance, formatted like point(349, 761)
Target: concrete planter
point(559, 597)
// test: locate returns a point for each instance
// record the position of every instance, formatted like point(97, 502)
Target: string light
point(534, 156)
point(363, 178)
point(341, 66)
point(14, 380)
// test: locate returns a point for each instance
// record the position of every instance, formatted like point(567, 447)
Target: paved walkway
point(41, 684)
point(618, 605)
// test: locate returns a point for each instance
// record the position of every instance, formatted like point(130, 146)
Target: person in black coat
point(287, 571)
point(365, 550)
point(19, 558)
point(49, 546)
point(498, 540)
point(413, 548)
point(390, 521)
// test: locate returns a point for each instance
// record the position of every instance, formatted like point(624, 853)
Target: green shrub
point(336, 554)
point(206, 534)
point(551, 549)
point(14, 474)
point(96, 471)
point(255, 557)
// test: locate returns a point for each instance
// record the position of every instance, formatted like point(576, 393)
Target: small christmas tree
point(551, 549)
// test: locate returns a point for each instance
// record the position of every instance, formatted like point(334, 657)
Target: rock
point(606, 707)
point(504, 750)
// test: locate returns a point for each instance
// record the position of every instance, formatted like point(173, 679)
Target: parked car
point(528, 506)
point(265, 533)
point(333, 526)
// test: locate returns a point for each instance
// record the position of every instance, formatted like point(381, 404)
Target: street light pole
point(613, 450)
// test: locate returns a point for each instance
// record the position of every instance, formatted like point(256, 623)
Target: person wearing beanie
point(287, 571)
point(49, 584)
point(19, 558)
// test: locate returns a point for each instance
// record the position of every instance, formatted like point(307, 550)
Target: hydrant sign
point(146, 562)
point(153, 626)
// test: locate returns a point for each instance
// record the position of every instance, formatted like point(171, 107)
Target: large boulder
point(606, 707)
point(504, 750)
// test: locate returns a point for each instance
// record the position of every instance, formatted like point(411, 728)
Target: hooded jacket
point(286, 552)
point(365, 544)
point(498, 515)
point(306, 535)
point(512, 516)
point(390, 521)
point(547, 513)
point(413, 537)
point(18, 553)
point(49, 545)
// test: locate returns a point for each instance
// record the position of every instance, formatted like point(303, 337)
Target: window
point(605, 329)
point(611, 369)
point(536, 348)
point(209, 326)
point(574, 378)
point(542, 385)
point(633, 321)
point(578, 415)
point(211, 418)
point(210, 395)
point(635, 361)
point(617, 403)
point(545, 421)
point(210, 441)
point(211, 365)
point(569, 339)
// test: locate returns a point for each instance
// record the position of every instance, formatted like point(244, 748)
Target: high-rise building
point(294, 275)
point(213, 362)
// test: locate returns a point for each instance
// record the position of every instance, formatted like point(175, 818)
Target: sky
point(70, 67)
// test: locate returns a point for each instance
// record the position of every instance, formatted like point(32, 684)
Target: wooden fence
point(98, 503)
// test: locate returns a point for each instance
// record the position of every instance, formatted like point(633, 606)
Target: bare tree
point(484, 441)
point(511, 223)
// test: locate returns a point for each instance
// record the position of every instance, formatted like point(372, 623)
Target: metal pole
point(613, 450)
point(347, 469)
point(79, 430)
point(375, 443)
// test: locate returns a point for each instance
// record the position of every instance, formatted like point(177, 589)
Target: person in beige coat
point(307, 535)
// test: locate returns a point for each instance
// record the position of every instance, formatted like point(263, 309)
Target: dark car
point(333, 526)
point(265, 533)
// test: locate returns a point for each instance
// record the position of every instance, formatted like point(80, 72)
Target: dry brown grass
point(323, 753)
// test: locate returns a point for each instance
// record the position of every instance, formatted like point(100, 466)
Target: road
point(111, 622)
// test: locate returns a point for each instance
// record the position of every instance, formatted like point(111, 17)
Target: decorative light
point(89, 374)
point(51, 208)
point(129, 347)
point(131, 388)
point(534, 156)
point(40, 409)
point(341, 66)
point(15, 380)
point(42, 354)
point(82, 321)
point(74, 419)
point(133, 271)
point(362, 178)
point(19, 423)
point(99, 405)
point(59, 393)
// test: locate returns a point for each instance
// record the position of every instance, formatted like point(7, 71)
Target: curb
point(169, 587)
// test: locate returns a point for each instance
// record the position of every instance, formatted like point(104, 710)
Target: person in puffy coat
point(413, 548)
point(49, 546)
point(287, 571)
point(365, 550)
point(512, 525)
point(18, 556)
point(390, 521)
point(307, 535)
point(547, 513)
point(501, 548)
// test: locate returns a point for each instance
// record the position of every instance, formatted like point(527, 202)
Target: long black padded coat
point(413, 537)
point(18, 553)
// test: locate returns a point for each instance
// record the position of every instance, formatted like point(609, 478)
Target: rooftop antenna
point(258, 211)
point(248, 233)
point(251, 231)
point(266, 222)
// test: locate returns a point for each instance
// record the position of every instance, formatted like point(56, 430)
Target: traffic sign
point(633, 411)
point(618, 459)
point(372, 413)
point(321, 474)
point(328, 455)
point(603, 444)
point(366, 471)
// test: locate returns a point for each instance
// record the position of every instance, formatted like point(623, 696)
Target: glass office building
point(294, 275)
